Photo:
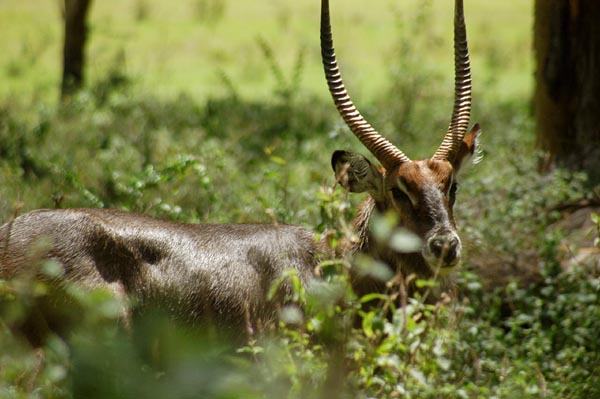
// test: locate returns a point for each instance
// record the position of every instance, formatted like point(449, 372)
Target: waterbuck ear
point(356, 173)
point(469, 148)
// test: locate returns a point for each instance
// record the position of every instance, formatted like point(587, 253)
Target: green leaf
point(277, 160)
point(405, 241)
point(367, 324)
point(373, 296)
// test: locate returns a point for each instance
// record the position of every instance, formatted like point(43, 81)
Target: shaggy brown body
point(220, 272)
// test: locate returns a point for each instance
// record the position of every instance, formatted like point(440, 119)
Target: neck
point(405, 263)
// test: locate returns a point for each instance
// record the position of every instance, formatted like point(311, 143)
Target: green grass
point(171, 48)
point(227, 119)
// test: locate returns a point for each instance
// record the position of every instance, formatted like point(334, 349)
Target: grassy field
point(217, 111)
point(188, 46)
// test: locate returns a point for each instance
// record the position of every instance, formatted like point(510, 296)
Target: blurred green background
point(188, 46)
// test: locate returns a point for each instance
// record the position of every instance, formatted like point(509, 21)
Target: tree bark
point(567, 93)
point(75, 13)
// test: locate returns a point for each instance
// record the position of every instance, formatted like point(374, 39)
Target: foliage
point(546, 346)
point(596, 222)
point(161, 158)
point(237, 158)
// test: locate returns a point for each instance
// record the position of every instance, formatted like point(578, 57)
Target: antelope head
point(420, 192)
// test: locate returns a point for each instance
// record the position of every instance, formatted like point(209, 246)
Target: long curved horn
point(462, 89)
point(379, 146)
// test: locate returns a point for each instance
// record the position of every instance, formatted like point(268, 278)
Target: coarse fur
point(220, 273)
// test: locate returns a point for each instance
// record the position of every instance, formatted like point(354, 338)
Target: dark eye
point(399, 195)
point(452, 193)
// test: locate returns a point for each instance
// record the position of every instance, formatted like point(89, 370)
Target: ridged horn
point(379, 146)
point(461, 112)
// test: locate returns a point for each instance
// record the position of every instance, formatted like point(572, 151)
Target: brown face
point(422, 194)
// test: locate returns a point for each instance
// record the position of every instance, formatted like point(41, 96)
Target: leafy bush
point(546, 347)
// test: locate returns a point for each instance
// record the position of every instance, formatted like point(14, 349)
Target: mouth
point(446, 269)
point(439, 266)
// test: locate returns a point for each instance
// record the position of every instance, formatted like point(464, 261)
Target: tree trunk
point(75, 13)
point(567, 93)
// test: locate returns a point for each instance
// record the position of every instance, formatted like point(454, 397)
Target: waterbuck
point(224, 271)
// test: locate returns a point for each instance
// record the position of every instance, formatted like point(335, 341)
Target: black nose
point(445, 248)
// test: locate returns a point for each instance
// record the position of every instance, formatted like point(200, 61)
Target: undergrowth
point(166, 159)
